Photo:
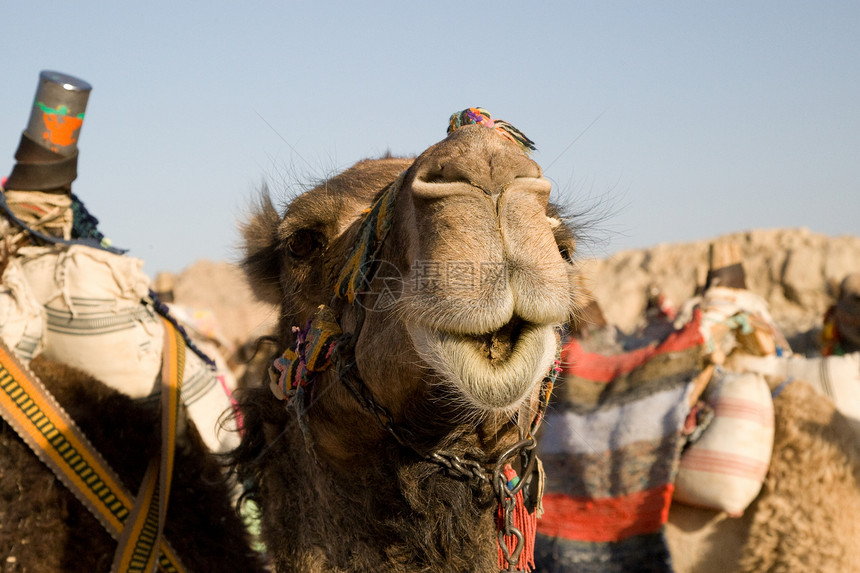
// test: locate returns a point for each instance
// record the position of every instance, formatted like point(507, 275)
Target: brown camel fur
point(481, 279)
point(43, 527)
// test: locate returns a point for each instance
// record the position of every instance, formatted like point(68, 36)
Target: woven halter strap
point(360, 264)
point(42, 423)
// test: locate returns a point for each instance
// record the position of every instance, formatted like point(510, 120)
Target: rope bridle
point(322, 344)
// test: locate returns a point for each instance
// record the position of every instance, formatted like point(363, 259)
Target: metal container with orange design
point(58, 112)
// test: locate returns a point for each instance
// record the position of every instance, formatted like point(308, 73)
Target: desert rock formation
point(795, 270)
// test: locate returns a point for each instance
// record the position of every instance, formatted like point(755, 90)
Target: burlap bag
point(98, 320)
point(21, 316)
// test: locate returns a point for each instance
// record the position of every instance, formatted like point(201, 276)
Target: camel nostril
point(441, 182)
point(446, 171)
point(440, 175)
point(434, 177)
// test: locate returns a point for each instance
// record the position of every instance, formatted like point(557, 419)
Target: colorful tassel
point(524, 521)
point(480, 116)
point(315, 343)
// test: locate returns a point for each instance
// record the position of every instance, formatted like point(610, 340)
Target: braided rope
point(84, 224)
point(315, 343)
point(163, 311)
point(6, 210)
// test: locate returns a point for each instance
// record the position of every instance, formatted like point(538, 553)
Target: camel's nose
point(480, 158)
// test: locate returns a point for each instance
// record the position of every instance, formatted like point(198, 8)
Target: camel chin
point(494, 372)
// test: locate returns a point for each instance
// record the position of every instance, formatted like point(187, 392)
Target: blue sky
point(684, 120)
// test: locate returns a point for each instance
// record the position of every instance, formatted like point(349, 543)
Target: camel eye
point(566, 244)
point(304, 242)
point(566, 252)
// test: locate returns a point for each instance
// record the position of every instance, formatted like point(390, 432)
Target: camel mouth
point(498, 346)
point(494, 371)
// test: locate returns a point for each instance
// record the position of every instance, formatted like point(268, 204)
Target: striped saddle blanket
point(611, 447)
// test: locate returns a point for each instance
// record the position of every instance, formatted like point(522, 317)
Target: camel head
point(449, 273)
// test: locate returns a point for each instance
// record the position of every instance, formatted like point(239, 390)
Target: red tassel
point(524, 521)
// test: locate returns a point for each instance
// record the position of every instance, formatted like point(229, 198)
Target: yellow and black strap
point(30, 409)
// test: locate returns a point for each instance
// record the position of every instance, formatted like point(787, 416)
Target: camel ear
point(262, 260)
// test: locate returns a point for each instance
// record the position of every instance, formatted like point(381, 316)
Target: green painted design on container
point(62, 110)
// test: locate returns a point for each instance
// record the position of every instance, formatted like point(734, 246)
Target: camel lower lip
point(495, 371)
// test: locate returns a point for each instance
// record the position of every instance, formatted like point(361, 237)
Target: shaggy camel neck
point(385, 508)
